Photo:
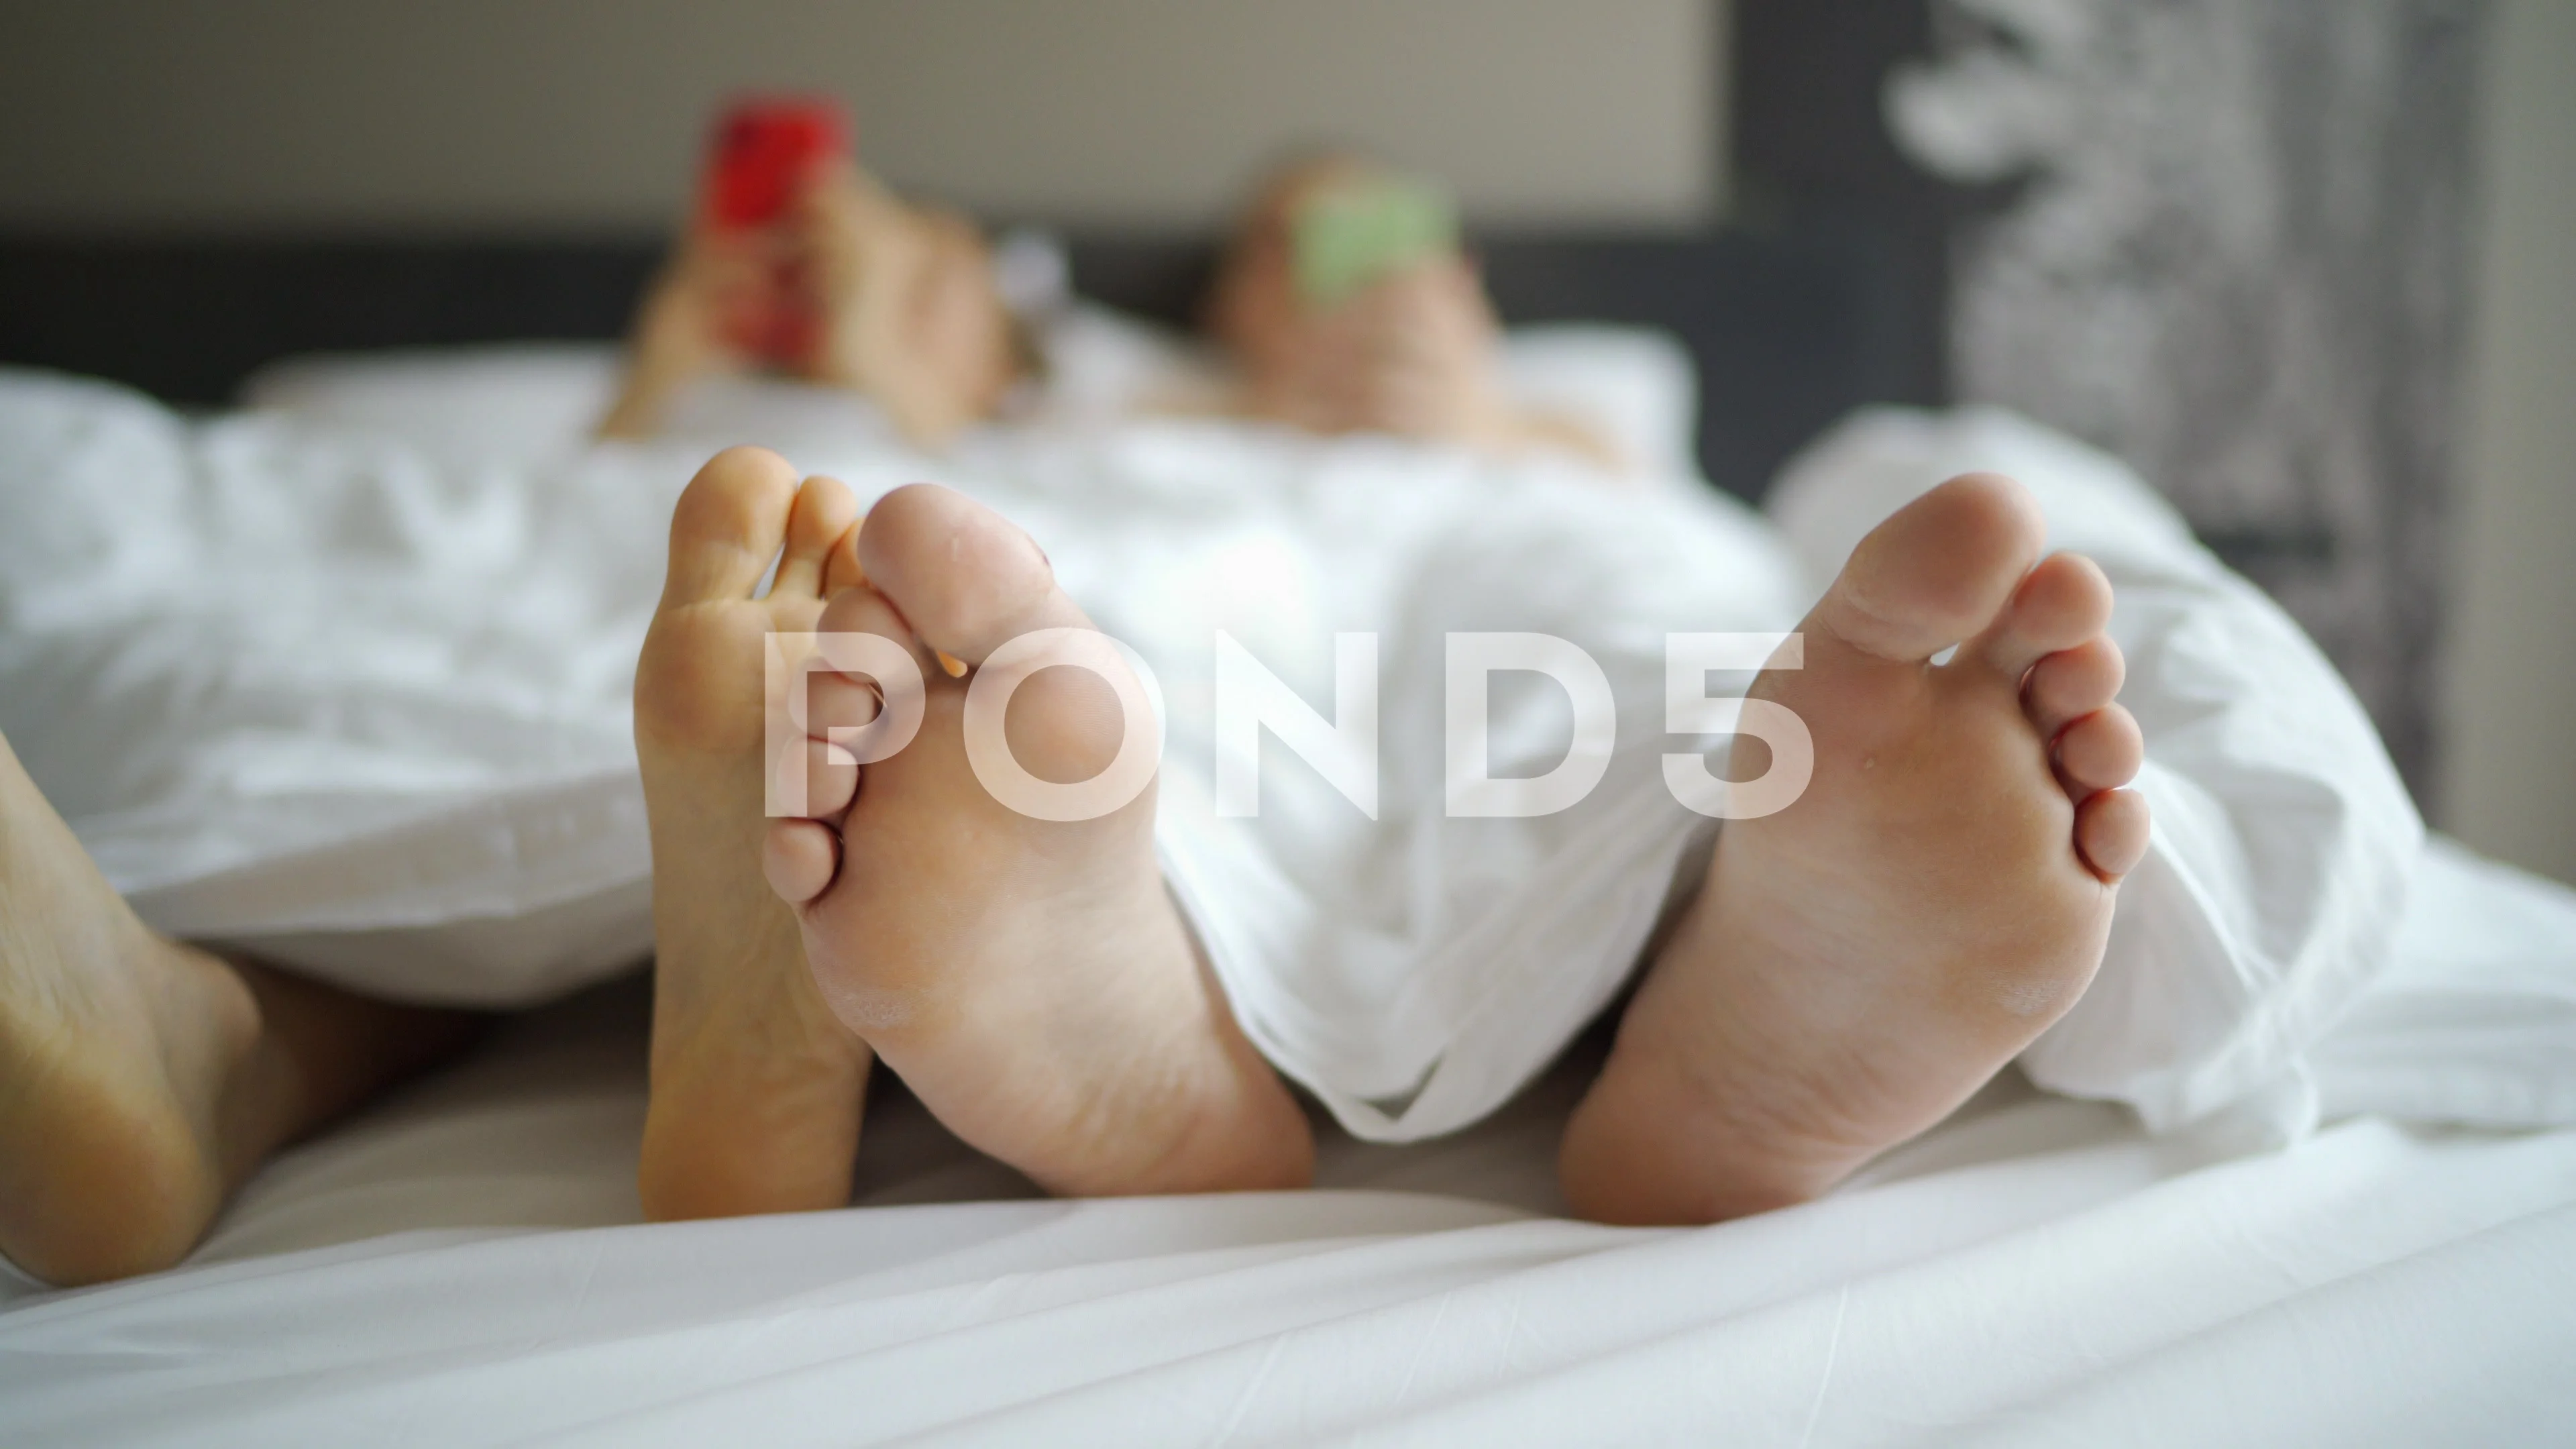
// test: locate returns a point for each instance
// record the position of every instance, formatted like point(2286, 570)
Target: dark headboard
point(1786, 334)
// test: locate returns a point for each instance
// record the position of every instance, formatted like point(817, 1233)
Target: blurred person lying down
point(1377, 324)
point(1127, 999)
point(1346, 305)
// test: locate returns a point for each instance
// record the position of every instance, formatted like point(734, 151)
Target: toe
point(2101, 751)
point(965, 578)
point(2111, 832)
point(823, 788)
point(865, 610)
point(2071, 683)
point(799, 857)
point(835, 701)
point(841, 565)
point(1937, 571)
point(2061, 604)
point(822, 515)
point(728, 525)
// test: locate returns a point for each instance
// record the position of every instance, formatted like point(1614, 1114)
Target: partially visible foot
point(756, 1088)
point(1029, 979)
point(1862, 961)
point(142, 1080)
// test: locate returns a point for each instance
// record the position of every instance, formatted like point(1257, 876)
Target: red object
point(763, 154)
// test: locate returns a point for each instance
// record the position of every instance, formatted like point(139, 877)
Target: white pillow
point(464, 405)
point(1636, 384)
point(474, 405)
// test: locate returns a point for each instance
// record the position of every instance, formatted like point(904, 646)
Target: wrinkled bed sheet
point(354, 697)
point(463, 1266)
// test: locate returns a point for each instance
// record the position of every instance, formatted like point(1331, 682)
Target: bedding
point(463, 1267)
point(357, 702)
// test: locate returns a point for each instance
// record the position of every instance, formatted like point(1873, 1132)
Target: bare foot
point(1029, 979)
point(142, 1080)
point(756, 1088)
point(1862, 961)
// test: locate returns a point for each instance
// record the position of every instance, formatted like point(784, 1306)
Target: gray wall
point(587, 114)
point(2510, 781)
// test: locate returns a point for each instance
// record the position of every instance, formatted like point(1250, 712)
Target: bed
point(464, 1264)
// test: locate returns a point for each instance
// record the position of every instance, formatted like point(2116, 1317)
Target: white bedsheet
point(462, 1267)
point(2371, 1287)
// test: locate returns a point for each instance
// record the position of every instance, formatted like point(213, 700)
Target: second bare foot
point(756, 1088)
point(1029, 979)
point(1860, 962)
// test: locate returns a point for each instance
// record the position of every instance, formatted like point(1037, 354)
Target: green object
point(1350, 234)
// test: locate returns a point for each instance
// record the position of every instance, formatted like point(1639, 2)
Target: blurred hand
point(714, 290)
point(905, 305)
point(862, 257)
point(861, 290)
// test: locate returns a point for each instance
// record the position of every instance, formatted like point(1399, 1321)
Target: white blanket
point(362, 699)
point(360, 704)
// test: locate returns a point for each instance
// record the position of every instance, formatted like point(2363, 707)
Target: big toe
point(729, 524)
point(1938, 571)
point(1073, 743)
point(967, 579)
